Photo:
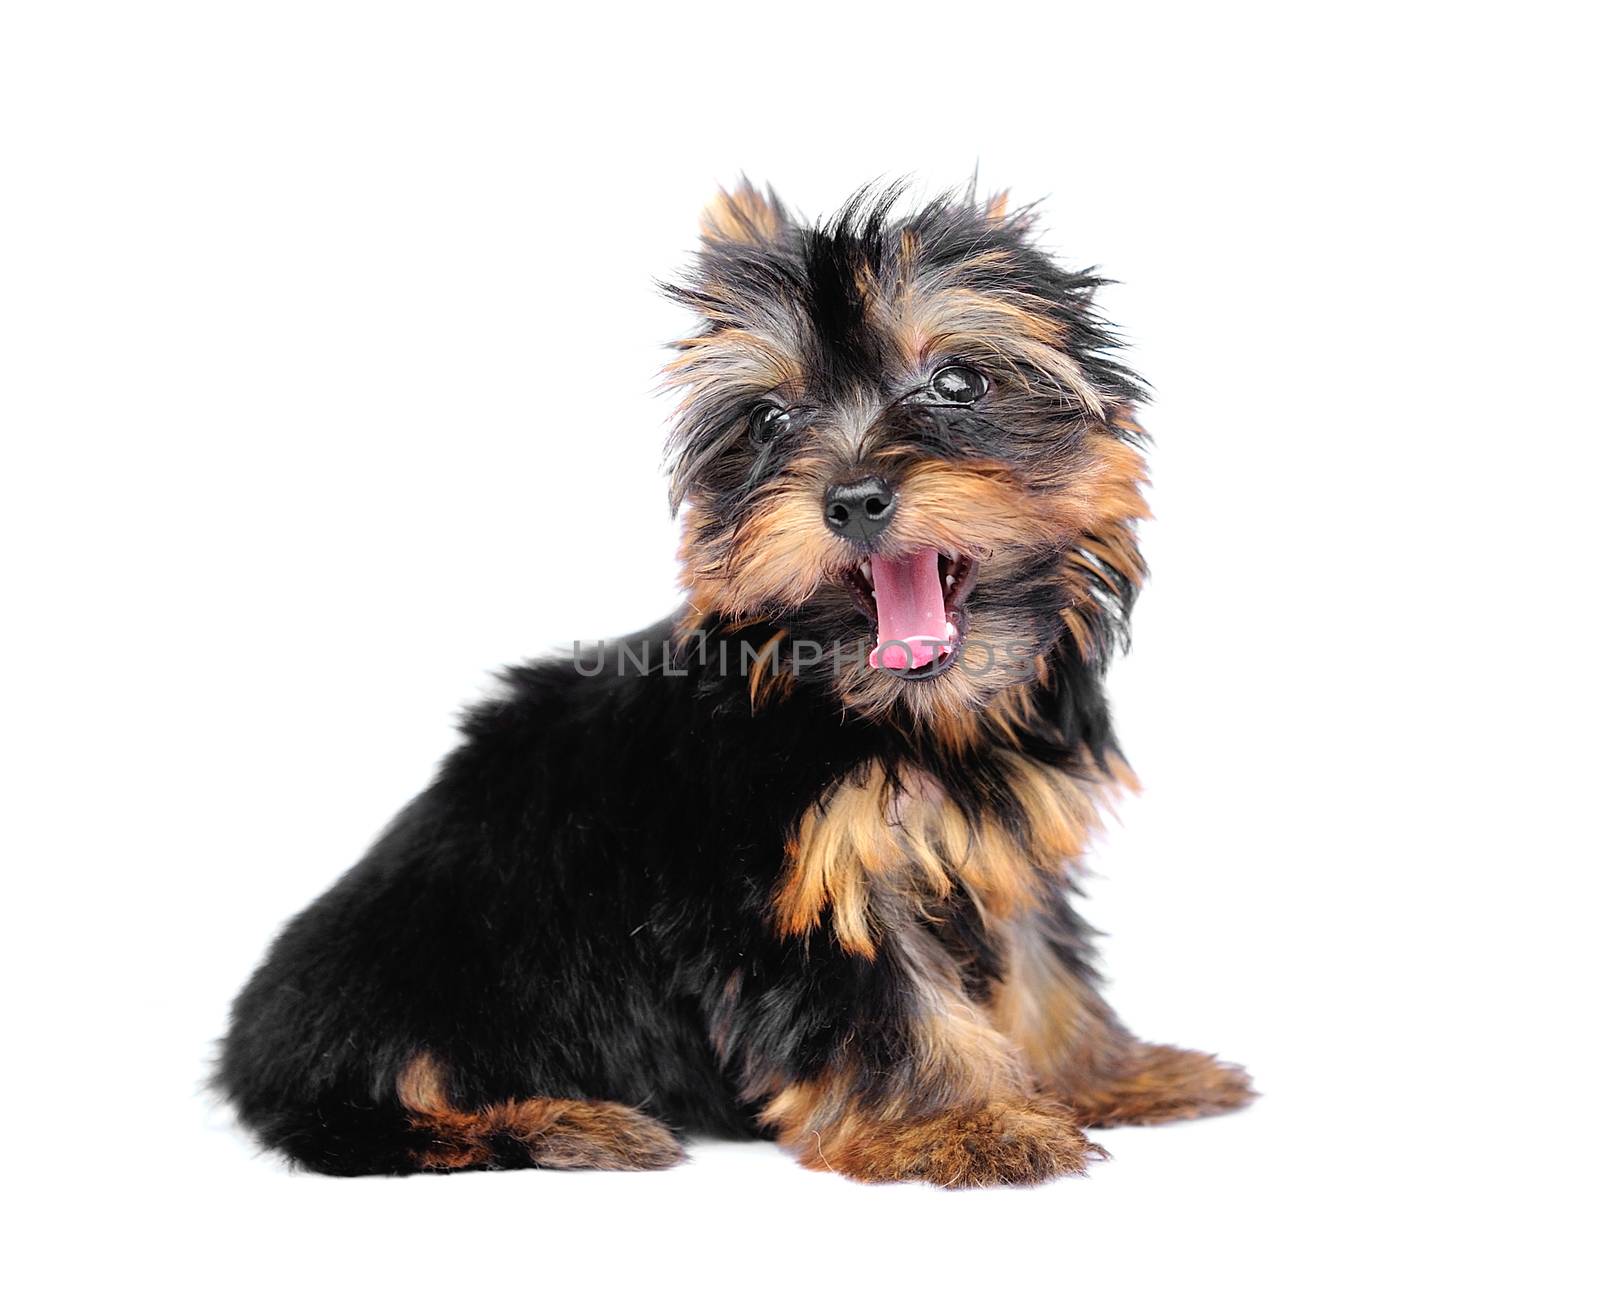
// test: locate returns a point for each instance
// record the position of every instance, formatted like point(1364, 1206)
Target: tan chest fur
point(870, 849)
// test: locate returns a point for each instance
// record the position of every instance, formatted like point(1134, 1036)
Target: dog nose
point(860, 510)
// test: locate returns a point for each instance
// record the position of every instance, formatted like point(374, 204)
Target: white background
point(328, 349)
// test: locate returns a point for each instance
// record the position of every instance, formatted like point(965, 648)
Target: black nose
point(859, 511)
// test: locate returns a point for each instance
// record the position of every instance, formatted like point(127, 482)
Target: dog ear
point(744, 216)
point(997, 212)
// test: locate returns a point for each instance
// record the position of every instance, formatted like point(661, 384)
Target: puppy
point(794, 862)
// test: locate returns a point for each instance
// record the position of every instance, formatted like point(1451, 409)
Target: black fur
point(561, 912)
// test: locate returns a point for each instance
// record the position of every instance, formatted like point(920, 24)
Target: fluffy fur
point(727, 877)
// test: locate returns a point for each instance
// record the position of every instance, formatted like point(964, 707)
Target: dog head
point(906, 438)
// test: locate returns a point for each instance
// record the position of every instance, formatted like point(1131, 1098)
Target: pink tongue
point(911, 623)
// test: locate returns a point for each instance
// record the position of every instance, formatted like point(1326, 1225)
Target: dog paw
point(997, 1143)
point(1157, 1084)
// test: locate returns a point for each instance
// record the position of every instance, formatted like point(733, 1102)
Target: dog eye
point(767, 422)
point(958, 385)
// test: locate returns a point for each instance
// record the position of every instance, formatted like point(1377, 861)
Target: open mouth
point(917, 601)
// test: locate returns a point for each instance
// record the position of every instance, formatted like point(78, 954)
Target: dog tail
point(414, 1129)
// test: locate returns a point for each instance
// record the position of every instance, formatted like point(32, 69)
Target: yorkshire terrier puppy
point(794, 862)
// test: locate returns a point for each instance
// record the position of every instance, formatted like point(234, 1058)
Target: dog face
point(906, 438)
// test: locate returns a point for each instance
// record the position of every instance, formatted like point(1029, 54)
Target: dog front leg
point(881, 1069)
point(1047, 1004)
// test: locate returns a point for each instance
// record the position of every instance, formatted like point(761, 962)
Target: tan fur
point(974, 1145)
point(767, 678)
point(959, 1136)
point(963, 1112)
point(557, 1133)
point(1111, 501)
point(930, 312)
point(959, 1055)
point(1077, 1048)
point(1063, 1028)
point(1154, 1084)
point(778, 559)
point(867, 843)
point(743, 215)
point(732, 358)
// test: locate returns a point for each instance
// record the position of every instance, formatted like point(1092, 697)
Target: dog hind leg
point(416, 1129)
